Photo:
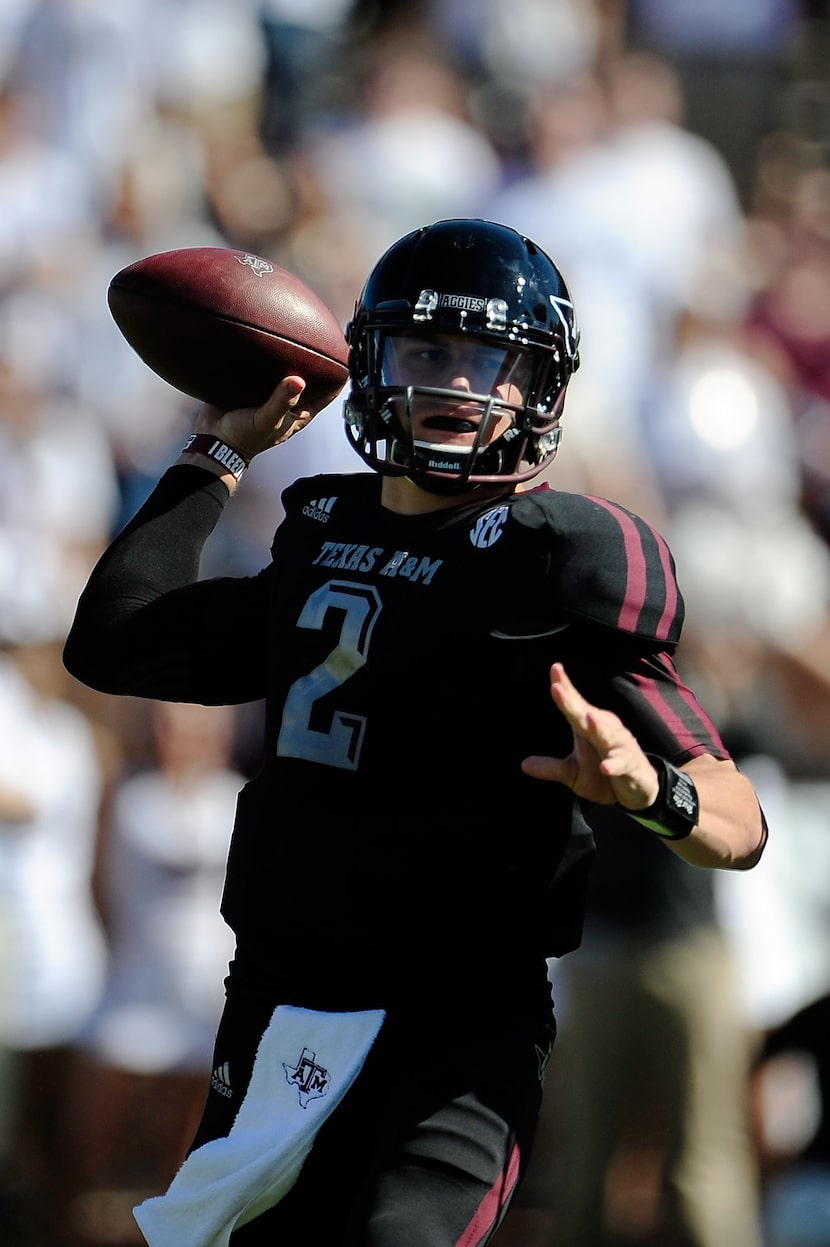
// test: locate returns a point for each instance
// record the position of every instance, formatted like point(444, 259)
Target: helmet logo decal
point(496, 314)
point(462, 302)
point(255, 263)
point(429, 301)
point(426, 305)
point(489, 528)
point(565, 311)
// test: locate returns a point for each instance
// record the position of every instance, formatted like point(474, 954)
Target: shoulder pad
point(608, 564)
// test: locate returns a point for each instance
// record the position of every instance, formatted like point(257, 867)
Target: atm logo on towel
point(310, 1079)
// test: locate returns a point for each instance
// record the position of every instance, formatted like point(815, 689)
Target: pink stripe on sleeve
point(635, 586)
point(670, 609)
point(488, 1210)
point(696, 732)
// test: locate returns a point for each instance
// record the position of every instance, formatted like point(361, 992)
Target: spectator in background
point(656, 199)
point(639, 1161)
point(409, 152)
point(146, 1051)
point(788, 322)
point(211, 63)
point(645, 1134)
point(17, 811)
point(44, 193)
point(645, 217)
point(54, 945)
point(511, 54)
point(159, 204)
point(302, 42)
point(728, 456)
point(57, 507)
point(85, 79)
point(733, 61)
point(791, 1087)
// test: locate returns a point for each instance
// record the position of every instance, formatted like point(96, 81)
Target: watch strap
point(674, 813)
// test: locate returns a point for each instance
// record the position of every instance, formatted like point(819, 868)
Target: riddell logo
point(319, 509)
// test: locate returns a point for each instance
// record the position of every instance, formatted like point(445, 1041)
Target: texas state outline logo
point(255, 263)
point(311, 1080)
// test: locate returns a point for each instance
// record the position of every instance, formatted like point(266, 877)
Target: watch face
point(675, 812)
point(682, 796)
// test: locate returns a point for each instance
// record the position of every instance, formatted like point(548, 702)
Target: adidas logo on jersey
point(220, 1081)
point(320, 509)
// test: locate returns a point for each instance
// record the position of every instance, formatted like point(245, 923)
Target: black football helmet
point(462, 277)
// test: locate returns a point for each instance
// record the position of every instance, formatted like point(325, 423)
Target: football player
point(456, 663)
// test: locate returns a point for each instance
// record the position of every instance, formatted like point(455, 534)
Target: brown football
point(224, 326)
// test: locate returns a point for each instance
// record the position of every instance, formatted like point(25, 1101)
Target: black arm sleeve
point(145, 626)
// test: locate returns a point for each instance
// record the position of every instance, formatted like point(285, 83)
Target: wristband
point(674, 813)
point(215, 448)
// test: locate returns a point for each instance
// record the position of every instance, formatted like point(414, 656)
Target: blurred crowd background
point(674, 158)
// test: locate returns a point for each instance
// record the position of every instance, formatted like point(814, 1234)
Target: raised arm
point(146, 625)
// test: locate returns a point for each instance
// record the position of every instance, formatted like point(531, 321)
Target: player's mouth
point(449, 424)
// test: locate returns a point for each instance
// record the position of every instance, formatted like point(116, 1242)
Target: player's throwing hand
point(606, 764)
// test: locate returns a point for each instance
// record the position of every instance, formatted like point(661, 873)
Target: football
point(224, 326)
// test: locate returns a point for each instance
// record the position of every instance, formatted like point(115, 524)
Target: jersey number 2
point(339, 742)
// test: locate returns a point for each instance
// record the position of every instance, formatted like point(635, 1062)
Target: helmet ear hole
point(462, 277)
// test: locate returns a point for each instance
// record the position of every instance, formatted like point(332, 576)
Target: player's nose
point(461, 379)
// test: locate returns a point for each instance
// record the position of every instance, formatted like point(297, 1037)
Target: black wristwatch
point(675, 811)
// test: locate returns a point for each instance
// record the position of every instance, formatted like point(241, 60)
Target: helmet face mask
point(461, 383)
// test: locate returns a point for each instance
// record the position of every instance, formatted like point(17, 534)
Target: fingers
point(251, 430)
point(615, 746)
point(557, 769)
point(600, 728)
point(282, 405)
point(606, 763)
point(571, 702)
point(282, 415)
point(287, 393)
point(291, 390)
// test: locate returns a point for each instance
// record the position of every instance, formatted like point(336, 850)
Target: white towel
point(305, 1064)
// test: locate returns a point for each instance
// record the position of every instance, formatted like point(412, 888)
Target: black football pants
point(427, 1147)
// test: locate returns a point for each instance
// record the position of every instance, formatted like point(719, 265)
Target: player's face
point(472, 369)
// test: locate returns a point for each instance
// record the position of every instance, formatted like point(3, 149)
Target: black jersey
point(390, 840)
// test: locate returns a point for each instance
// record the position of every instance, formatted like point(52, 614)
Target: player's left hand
point(606, 764)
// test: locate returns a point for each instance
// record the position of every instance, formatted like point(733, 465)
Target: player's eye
point(408, 361)
point(433, 356)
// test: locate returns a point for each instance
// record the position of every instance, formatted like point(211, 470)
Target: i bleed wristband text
point(215, 448)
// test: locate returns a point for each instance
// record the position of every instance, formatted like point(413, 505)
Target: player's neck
point(399, 494)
